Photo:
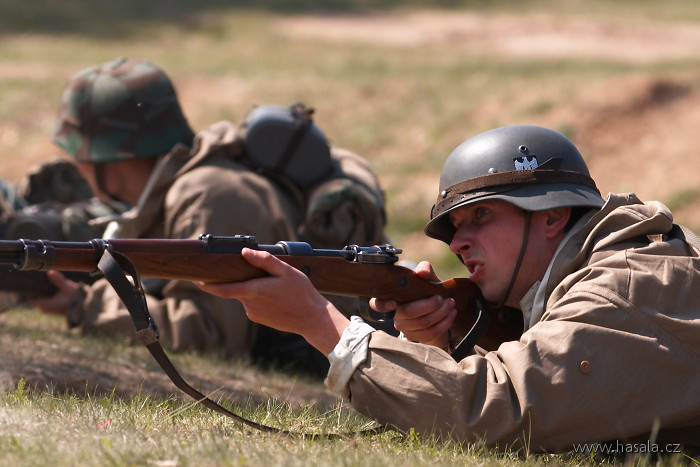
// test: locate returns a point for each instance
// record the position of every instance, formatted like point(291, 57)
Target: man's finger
point(265, 261)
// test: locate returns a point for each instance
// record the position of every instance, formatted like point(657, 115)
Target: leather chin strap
point(521, 255)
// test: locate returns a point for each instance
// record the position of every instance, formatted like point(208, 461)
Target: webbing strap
point(113, 265)
point(303, 116)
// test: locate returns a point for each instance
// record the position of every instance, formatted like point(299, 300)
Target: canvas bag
point(344, 202)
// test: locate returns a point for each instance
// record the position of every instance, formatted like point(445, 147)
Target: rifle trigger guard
point(378, 317)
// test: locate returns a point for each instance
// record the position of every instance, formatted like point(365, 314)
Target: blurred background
point(401, 83)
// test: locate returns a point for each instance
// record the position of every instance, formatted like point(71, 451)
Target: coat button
point(585, 367)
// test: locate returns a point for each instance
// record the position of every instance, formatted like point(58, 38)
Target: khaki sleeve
point(414, 386)
point(596, 368)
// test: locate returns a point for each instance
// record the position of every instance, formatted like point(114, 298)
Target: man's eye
point(481, 212)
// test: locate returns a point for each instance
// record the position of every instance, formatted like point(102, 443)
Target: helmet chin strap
point(526, 235)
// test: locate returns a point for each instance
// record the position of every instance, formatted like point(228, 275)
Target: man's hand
point(425, 321)
point(286, 301)
point(58, 303)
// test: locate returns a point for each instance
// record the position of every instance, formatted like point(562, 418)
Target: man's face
point(488, 238)
point(110, 181)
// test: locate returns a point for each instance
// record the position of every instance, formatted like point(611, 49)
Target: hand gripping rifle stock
point(351, 271)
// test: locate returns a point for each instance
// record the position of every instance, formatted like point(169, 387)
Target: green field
point(393, 81)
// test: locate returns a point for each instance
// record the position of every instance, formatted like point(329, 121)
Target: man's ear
point(556, 220)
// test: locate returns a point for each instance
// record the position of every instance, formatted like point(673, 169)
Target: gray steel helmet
point(531, 167)
point(119, 110)
point(286, 141)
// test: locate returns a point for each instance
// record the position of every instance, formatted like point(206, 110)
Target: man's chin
point(491, 297)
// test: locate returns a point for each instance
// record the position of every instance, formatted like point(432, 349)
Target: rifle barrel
point(360, 272)
point(10, 251)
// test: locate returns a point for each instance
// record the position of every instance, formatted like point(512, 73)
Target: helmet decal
point(525, 163)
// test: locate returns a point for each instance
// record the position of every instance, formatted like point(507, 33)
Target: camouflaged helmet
point(119, 110)
point(531, 167)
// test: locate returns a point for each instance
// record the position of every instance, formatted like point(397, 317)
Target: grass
point(62, 429)
point(144, 431)
point(113, 419)
point(70, 400)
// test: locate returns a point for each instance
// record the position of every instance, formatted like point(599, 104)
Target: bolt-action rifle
point(353, 270)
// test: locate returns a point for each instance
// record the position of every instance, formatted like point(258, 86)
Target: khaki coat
point(612, 352)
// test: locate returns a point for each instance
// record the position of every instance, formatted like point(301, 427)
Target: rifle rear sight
point(376, 254)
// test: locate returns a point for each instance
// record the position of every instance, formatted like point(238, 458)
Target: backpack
point(343, 200)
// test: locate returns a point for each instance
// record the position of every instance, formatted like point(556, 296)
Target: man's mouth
point(474, 269)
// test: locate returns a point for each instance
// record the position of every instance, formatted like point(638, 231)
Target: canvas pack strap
point(302, 114)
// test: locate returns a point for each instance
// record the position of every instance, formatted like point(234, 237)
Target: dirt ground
point(530, 35)
point(637, 134)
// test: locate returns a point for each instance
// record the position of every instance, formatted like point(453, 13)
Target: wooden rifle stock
point(352, 271)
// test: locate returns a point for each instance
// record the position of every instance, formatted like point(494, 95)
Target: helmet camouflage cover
point(531, 167)
point(118, 110)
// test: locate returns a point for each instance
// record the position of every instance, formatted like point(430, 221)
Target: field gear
point(10, 201)
point(285, 141)
point(119, 110)
point(202, 189)
point(59, 205)
point(347, 207)
point(56, 180)
point(56, 204)
point(342, 197)
point(531, 167)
